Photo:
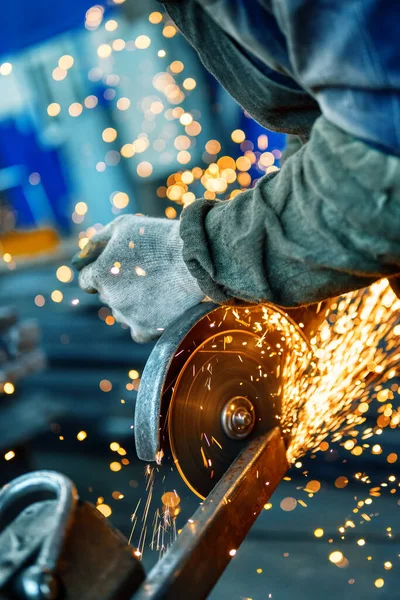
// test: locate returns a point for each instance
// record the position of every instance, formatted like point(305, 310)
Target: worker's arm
point(327, 223)
point(272, 98)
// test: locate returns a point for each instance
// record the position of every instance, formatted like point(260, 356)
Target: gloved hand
point(140, 273)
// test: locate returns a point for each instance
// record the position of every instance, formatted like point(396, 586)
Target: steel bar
point(209, 540)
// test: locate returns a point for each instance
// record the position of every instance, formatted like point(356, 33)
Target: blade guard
point(157, 379)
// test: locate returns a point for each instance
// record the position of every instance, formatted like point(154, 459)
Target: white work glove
point(140, 273)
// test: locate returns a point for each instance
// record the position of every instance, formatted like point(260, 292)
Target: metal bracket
point(39, 580)
point(211, 537)
point(67, 549)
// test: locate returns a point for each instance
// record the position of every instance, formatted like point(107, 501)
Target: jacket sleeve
point(276, 102)
point(327, 223)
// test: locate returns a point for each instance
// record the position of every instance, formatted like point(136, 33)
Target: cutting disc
point(235, 373)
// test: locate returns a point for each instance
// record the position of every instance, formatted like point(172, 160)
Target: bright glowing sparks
point(6, 69)
point(64, 274)
point(288, 504)
point(177, 66)
point(123, 103)
point(91, 101)
point(170, 212)
point(336, 557)
point(186, 119)
point(169, 31)
point(94, 17)
point(170, 499)
point(8, 388)
point(57, 296)
point(120, 200)
point(189, 83)
point(111, 25)
point(66, 62)
point(155, 17)
point(59, 74)
point(75, 109)
point(53, 109)
point(238, 136)
point(127, 150)
point(105, 385)
point(345, 349)
point(39, 300)
point(104, 509)
point(118, 45)
point(142, 42)
point(109, 134)
point(318, 532)
point(115, 466)
point(81, 208)
point(104, 51)
point(144, 169)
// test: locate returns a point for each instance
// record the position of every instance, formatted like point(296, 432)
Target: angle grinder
point(213, 382)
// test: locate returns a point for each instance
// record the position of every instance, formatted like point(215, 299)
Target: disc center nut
point(238, 418)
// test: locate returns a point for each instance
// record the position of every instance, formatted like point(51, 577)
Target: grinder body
point(213, 382)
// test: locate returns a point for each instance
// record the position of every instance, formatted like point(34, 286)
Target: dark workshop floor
point(281, 558)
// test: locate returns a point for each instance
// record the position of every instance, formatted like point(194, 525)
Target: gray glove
point(139, 272)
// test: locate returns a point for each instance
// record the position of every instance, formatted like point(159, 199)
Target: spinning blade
point(227, 393)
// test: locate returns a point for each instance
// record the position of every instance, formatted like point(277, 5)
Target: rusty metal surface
point(36, 580)
point(96, 562)
point(29, 488)
point(60, 548)
point(23, 538)
point(202, 551)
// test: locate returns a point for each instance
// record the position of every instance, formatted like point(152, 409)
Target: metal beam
point(207, 543)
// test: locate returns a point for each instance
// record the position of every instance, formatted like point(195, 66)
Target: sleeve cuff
point(197, 250)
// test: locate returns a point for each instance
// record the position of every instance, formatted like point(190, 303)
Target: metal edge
point(148, 401)
point(23, 491)
point(198, 557)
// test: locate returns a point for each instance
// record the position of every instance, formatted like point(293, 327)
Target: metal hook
point(39, 580)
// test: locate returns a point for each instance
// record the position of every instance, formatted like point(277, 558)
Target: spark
point(134, 520)
point(204, 457)
point(340, 378)
point(216, 442)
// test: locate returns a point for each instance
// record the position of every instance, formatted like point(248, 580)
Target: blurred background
point(105, 110)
